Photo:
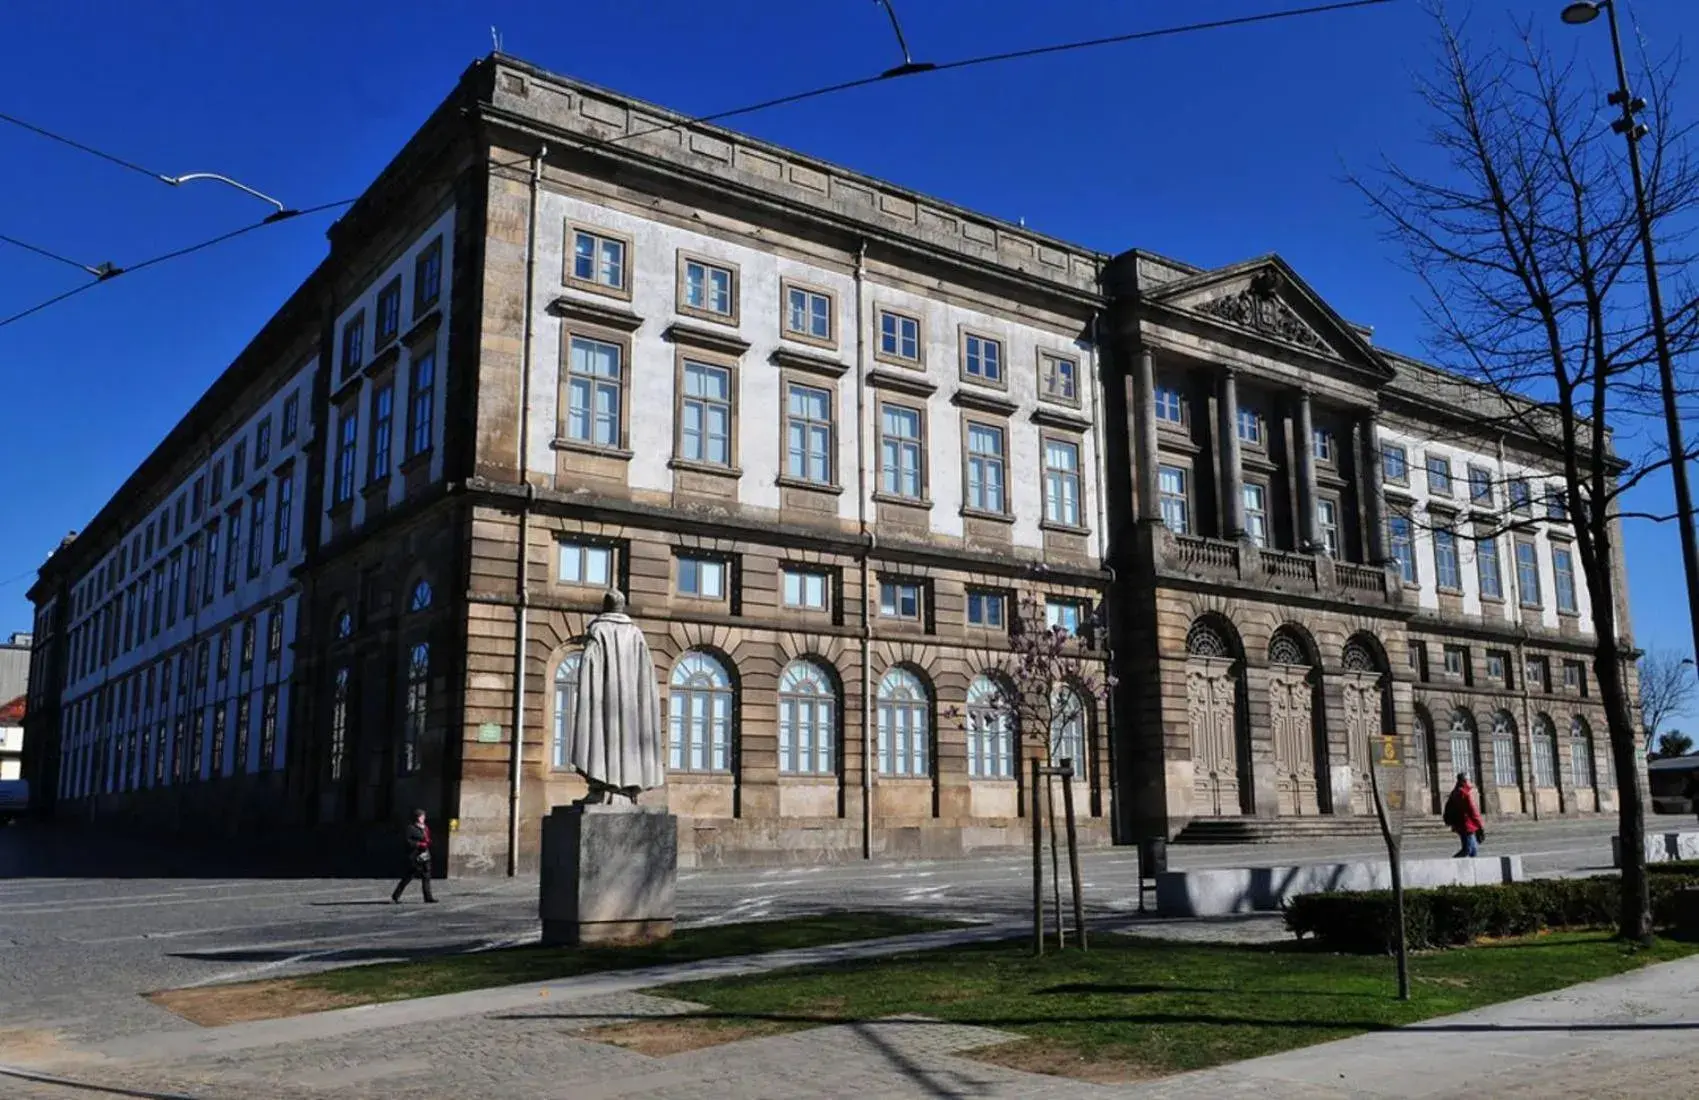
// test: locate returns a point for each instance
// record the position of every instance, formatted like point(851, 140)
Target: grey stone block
point(1661, 847)
point(609, 874)
point(1229, 891)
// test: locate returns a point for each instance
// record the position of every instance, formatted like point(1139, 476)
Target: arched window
point(418, 707)
point(808, 720)
point(1205, 639)
point(566, 705)
point(1359, 656)
point(1421, 732)
point(1285, 648)
point(1463, 744)
point(990, 734)
point(1505, 770)
point(905, 735)
point(1545, 752)
point(344, 624)
point(338, 728)
point(1068, 718)
point(1580, 753)
point(420, 600)
point(700, 712)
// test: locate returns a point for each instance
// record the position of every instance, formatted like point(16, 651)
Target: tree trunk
point(1635, 923)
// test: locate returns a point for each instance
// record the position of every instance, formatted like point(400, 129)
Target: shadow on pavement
point(339, 955)
point(85, 1087)
point(107, 850)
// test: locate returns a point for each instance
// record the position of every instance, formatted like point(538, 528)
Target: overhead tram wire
point(908, 68)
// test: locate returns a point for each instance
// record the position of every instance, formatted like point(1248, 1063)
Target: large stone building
point(831, 436)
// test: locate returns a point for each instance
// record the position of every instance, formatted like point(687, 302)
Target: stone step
point(1248, 830)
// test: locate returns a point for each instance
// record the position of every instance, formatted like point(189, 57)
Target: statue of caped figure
point(615, 738)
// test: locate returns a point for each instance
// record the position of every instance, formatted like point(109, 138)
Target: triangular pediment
point(1266, 299)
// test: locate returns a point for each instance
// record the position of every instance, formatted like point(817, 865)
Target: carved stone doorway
point(1300, 748)
point(1221, 771)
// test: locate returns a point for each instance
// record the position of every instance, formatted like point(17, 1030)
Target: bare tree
point(1526, 237)
point(1667, 684)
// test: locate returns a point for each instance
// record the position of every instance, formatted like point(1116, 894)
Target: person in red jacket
point(1463, 815)
point(418, 858)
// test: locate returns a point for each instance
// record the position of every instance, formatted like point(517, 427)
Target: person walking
point(418, 859)
point(1463, 815)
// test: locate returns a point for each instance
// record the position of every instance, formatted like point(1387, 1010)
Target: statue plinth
point(609, 874)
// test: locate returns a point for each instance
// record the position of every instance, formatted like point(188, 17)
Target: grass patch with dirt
point(212, 1006)
point(1133, 1008)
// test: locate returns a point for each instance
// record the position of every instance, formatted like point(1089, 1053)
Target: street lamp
point(1579, 13)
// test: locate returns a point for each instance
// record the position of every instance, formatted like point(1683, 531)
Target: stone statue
point(615, 737)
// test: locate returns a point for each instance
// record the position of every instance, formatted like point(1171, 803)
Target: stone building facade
point(832, 437)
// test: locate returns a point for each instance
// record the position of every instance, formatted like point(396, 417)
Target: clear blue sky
point(1211, 148)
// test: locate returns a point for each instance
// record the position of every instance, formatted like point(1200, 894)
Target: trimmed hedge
point(1455, 916)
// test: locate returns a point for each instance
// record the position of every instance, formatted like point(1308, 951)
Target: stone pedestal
point(609, 875)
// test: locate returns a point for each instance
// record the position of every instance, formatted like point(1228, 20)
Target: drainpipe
point(869, 543)
point(516, 763)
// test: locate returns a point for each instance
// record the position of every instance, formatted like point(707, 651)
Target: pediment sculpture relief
point(1259, 308)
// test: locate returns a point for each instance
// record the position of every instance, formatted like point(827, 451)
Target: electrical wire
point(907, 69)
point(39, 251)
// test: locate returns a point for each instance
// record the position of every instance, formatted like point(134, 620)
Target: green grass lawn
point(1152, 1008)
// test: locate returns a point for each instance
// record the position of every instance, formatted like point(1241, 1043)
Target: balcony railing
point(1289, 567)
point(1276, 570)
point(1359, 578)
point(1197, 552)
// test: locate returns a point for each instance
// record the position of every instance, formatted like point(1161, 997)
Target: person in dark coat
point(418, 858)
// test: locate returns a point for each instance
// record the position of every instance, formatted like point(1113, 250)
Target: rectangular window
point(211, 574)
point(381, 428)
point(427, 278)
point(244, 712)
point(280, 524)
point(224, 654)
point(1321, 443)
point(220, 719)
point(190, 580)
point(702, 578)
point(1520, 499)
point(709, 289)
point(1402, 545)
point(1058, 377)
point(1066, 614)
point(899, 336)
point(1394, 463)
point(1256, 513)
point(1486, 564)
point(594, 391)
point(291, 417)
point(808, 433)
point(232, 546)
point(587, 565)
point(1439, 475)
point(268, 728)
point(1176, 502)
point(806, 589)
point(1480, 485)
point(182, 502)
point(1557, 507)
point(902, 469)
point(1545, 770)
point(1250, 426)
point(353, 344)
point(197, 501)
point(175, 583)
point(158, 600)
point(1456, 661)
point(1575, 677)
point(899, 600)
point(238, 473)
point(1170, 406)
point(1539, 673)
point(1447, 573)
point(274, 634)
point(1062, 482)
point(256, 533)
point(598, 260)
point(808, 315)
point(347, 448)
point(1563, 579)
point(986, 609)
point(705, 415)
point(421, 401)
point(1498, 667)
point(985, 468)
point(216, 493)
point(388, 320)
point(1327, 525)
point(1528, 573)
point(262, 455)
point(982, 358)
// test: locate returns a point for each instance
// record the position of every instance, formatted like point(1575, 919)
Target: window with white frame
point(1170, 405)
point(421, 399)
point(1401, 543)
point(1448, 574)
point(904, 721)
point(702, 578)
point(1480, 485)
point(1062, 482)
point(1250, 426)
point(1176, 501)
point(1068, 718)
point(1580, 753)
point(808, 314)
point(586, 564)
point(1521, 499)
point(1545, 752)
point(808, 433)
point(1327, 525)
point(1058, 377)
point(807, 589)
point(598, 259)
point(1439, 475)
point(418, 708)
point(347, 446)
point(1256, 513)
point(1067, 614)
point(1563, 579)
point(566, 709)
point(1528, 573)
point(899, 336)
point(1321, 444)
point(1394, 463)
point(699, 713)
point(1498, 667)
point(982, 358)
point(900, 600)
point(594, 391)
point(1506, 773)
point(1486, 565)
point(902, 451)
point(990, 734)
point(985, 468)
point(986, 609)
point(705, 414)
point(709, 288)
point(808, 720)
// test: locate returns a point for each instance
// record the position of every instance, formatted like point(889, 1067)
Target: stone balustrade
point(1242, 562)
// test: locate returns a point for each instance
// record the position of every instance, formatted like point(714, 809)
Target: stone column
point(1150, 495)
point(1308, 536)
point(1232, 473)
point(1374, 493)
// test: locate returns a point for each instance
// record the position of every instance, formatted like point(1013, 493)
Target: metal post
point(1037, 865)
point(1660, 334)
point(1074, 852)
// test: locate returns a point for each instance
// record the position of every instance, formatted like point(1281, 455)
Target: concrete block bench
point(1661, 847)
point(1229, 891)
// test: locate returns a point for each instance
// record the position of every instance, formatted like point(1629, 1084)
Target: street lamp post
point(1581, 12)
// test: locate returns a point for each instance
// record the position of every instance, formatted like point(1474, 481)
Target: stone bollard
point(609, 875)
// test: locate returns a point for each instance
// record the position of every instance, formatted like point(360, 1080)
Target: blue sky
point(1211, 148)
